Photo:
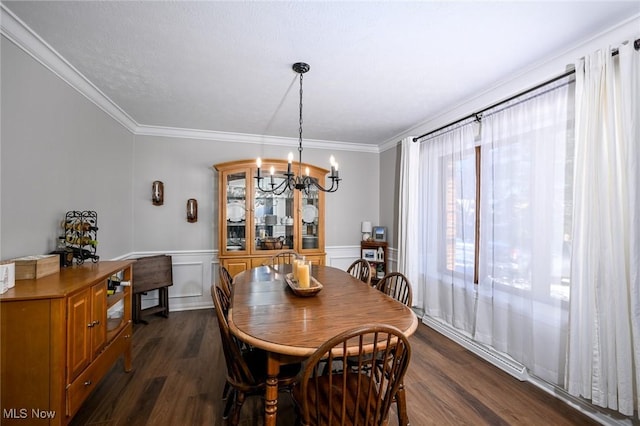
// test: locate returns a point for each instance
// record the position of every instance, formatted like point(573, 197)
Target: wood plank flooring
point(179, 370)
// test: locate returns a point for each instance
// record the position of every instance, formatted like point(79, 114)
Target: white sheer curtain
point(520, 153)
point(604, 344)
point(408, 217)
point(525, 219)
point(446, 226)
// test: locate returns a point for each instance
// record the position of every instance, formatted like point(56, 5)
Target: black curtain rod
point(636, 46)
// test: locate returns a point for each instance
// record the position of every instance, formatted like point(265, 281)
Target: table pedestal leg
point(271, 392)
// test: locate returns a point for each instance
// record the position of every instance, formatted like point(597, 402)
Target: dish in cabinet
point(309, 213)
point(235, 212)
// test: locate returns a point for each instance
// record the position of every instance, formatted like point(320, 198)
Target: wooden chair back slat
point(361, 269)
point(396, 285)
point(285, 257)
point(362, 394)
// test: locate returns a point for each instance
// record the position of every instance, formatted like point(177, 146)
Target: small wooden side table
point(151, 273)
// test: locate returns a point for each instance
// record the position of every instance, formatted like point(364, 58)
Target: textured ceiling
point(377, 68)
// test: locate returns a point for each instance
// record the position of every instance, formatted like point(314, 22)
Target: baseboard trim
point(520, 372)
point(487, 353)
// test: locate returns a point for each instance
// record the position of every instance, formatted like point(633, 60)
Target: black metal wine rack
point(81, 234)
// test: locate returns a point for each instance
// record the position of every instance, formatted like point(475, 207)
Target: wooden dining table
point(268, 315)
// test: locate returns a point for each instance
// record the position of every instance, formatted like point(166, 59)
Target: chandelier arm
point(335, 182)
point(278, 189)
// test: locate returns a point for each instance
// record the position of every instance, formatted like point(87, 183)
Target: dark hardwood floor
point(178, 376)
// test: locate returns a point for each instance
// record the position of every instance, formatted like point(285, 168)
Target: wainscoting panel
point(192, 277)
point(195, 271)
point(342, 256)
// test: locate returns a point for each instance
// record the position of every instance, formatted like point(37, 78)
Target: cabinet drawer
point(86, 382)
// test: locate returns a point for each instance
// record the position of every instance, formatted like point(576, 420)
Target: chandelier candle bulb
point(259, 164)
point(289, 160)
point(272, 170)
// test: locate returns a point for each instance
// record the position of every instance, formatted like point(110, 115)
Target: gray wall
point(389, 184)
point(59, 152)
point(186, 168)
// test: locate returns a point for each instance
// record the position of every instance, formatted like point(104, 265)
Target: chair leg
point(228, 407)
point(225, 391)
point(401, 406)
point(239, 397)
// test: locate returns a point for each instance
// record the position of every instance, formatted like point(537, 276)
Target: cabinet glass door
point(273, 215)
point(235, 211)
point(309, 219)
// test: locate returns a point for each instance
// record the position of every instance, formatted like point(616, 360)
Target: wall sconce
point(157, 193)
point(192, 210)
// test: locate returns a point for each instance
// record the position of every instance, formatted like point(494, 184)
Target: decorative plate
point(235, 212)
point(312, 290)
point(309, 213)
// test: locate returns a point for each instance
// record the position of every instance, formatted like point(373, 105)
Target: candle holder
point(192, 210)
point(157, 193)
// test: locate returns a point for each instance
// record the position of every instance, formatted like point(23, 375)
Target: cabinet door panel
point(274, 223)
point(25, 342)
point(78, 321)
point(98, 317)
point(234, 212)
point(235, 266)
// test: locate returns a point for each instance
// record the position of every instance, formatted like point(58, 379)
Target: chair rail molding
point(194, 271)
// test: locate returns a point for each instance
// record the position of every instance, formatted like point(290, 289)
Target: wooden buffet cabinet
point(60, 335)
point(253, 225)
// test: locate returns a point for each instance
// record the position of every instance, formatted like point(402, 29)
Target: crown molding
point(389, 144)
point(16, 31)
point(26, 39)
point(174, 132)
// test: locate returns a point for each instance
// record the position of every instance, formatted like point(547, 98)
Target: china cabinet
point(253, 225)
point(61, 334)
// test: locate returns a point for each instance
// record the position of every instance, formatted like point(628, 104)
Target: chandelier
point(301, 182)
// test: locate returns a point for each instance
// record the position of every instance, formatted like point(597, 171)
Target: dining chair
point(226, 280)
point(246, 370)
point(284, 257)
point(396, 285)
point(361, 269)
point(353, 396)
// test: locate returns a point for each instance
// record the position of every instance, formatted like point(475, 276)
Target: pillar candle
point(295, 269)
point(303, 275)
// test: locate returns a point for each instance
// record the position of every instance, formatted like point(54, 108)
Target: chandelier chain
point(300, 128)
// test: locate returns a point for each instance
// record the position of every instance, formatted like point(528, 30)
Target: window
point(507, 198)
